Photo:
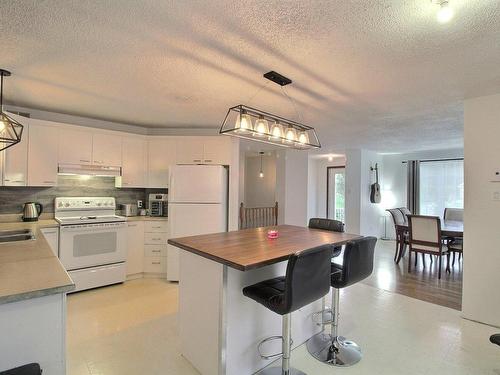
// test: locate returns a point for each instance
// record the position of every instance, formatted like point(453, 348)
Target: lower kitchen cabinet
point(135, 247)
point(147, 247)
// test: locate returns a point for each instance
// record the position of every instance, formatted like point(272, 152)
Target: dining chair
point(401, 235)
point(425, 238)
point(453, 214)
point(405, 211)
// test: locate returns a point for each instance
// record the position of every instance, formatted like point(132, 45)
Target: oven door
point(88, 245)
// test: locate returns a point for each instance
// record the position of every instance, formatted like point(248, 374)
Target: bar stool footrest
point(323, 317)
point(271, 356)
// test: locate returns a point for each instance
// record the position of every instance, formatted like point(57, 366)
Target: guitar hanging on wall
point(375, 188)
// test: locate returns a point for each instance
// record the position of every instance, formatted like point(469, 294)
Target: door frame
point(328, 183)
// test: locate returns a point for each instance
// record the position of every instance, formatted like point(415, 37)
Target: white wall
point(291, 186)
point(260, 192)
point(481, 284)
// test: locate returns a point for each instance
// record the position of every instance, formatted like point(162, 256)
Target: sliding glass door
point(335, 193)
point(441, 185)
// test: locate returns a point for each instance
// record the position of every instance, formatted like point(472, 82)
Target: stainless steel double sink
point(16, 235)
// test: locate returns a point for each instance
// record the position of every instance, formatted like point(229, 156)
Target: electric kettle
point(31, 211)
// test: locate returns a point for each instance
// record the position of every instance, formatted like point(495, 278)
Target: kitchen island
point(219, 328)
point(33, 287)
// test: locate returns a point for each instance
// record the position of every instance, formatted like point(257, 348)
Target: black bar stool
point(357, 265)
point(30, 369)
point(325, 316)
point(307, 279)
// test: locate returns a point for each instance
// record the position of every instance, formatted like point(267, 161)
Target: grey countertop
point(29, 269)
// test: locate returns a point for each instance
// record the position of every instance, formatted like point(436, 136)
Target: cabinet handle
point(155, 251)
point(132, 225)
point(208, 160)
point(197, 160)
point(48, 182)
point(6, 179)
point(98, 161)
point(156, 239)
point(156, 227)
point(155, 263)
point(84, 161)
point(16, 180)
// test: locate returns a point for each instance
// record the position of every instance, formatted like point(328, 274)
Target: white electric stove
point(92, 240)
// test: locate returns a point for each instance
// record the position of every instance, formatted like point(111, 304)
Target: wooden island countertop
point(250, 248)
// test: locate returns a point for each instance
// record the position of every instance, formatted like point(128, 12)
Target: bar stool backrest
point(357, 263)
point(307, 277)
point(326, 224)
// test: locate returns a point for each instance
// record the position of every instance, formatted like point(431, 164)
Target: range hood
point(89, 170)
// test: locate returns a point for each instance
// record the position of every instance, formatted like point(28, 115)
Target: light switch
point(496, 196)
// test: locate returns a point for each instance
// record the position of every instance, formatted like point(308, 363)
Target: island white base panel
point(34, 330)
point(220, 328)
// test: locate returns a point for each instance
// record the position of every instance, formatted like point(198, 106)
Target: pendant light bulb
point(261, 172)
point(445, 13)
point(303, 138)
point(330, 158)
point(276, 131)
point(261, 126)
point(243, 122)
point(291, 134)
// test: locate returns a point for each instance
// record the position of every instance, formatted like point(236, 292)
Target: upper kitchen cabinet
point(75, 146)
point(42, 154)
point(204, 150)
point(15, 161)
point(217, 150)
point(190, 150)
point(106, 149)
point(161, 155)
point(134, 163)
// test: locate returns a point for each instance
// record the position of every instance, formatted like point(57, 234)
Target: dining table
point(220, 328)
point(449, 228)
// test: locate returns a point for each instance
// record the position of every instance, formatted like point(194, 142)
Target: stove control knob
point(105, 203)
point(59, 204)
point(99, 204)
point(66, 204)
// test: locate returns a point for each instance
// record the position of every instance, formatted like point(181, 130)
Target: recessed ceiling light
point(445, 13)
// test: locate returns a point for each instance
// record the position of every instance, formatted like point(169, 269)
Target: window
point(335, 201)
point(441, 186)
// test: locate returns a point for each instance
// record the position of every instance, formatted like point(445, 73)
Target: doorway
point(335, 193)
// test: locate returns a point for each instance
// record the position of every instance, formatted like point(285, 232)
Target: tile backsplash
point(13, 198)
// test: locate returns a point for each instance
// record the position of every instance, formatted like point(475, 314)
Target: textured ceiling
point(379, 74)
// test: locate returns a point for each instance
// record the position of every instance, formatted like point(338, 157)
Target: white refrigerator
point(197, 204)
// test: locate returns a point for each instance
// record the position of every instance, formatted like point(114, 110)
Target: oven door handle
point(92, 227)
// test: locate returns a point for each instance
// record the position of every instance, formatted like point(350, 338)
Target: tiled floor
point(130, 329)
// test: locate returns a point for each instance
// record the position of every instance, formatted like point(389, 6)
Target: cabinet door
point(75, 146)
point(42, 155)
point(161, 155)
point(52, 237)
point(15, 162)
point(107, 149)
point(135, 247)
point(217, 150)
point(190, 150)
point(134, 163)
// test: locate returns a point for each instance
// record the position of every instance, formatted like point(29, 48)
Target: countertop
point(147, 218)
point(250, 248)
point(29, 269)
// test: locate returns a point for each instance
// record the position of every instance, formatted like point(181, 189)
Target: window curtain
point(412, 186)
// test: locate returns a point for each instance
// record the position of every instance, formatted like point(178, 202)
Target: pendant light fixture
point(246, 122)
point(445, 13)
point(261, 172)
point(11, 131)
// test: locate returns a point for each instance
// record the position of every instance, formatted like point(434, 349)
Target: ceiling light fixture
point(245, 122)
point(445, 13)
point(11, 131)
point(261, 172)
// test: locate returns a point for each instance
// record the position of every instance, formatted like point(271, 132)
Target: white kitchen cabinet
point(204, 150)
point(135, 247)
point(106, 149)
point(161, 155)
point(15, 162)
point(190, 150)
point(52, 237)
point(134, 163)
point(75, 146)
point(155, 246)
point(217, 150)
point(42, 154)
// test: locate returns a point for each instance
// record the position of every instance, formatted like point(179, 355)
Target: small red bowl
point(272, 234)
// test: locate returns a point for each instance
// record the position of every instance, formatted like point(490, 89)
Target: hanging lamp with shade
point(11, 130)
point(246, 122)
